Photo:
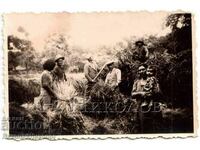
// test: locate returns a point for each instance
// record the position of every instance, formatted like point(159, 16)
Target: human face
point(90, 59)
point(111, 66)
point(140, 45)
point(60, 62)
point(149, 72)
point(142, 71)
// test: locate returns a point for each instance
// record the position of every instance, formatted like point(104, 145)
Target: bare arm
point(46, 85)
point(118, 77)
point(106, 81)
point(133, 92)
point(147, 51)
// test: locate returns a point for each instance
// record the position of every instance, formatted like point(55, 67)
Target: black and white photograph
point(100, 74)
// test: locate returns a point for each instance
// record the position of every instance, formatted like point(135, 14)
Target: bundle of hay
point(24, 121)
point(23, 90)
point(104, 101)
point(62, 118)
point(66, 115)
point(78, 84)
point(28, 120)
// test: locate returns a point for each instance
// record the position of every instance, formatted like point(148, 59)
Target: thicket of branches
point(172, 56)
point(20, 52)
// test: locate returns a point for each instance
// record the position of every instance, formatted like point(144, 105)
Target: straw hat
point(139, 42)
point(59, 57)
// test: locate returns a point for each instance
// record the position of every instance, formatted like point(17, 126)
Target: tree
point(28, 59)
point(20, 52)
point(172, 56)
point(13, 60)
point(181, 35)
point(56, 44)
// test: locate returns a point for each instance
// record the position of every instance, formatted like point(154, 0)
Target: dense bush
point(27, 120)
point(23, 90)
point(174, 73)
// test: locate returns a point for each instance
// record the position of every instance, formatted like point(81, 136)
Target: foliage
point(56, 44)
point(181, 36)
point(171, 55)
point(20, 52)
point(13, 60)
point(45, 123)
point(23, 90)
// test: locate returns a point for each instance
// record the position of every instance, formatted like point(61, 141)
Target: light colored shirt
point(138, 85)
point(113, 78)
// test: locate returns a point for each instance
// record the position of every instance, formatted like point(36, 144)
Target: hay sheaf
point(28, 120)
point(23, 90)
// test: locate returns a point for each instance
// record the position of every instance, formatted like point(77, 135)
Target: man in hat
point(142, 53)
point(58, 72)
point(90, 71)
point(113, 77)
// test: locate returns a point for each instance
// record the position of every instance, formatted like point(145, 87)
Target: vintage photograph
point(116, 73)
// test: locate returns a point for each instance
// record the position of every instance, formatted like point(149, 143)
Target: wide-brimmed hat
point(89, 57)
point(139, 42)
point(59, 57)
point(111, 62)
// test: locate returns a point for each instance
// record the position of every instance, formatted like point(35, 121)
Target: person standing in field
point(151, 119)
point(47, 94)
point(62, 86)
point(58, 71)
point(59, 77)
point(113, 77)
point(138, 96)
point(90, 71)
point(139, 83)
point(142, 53)
point(152, 87)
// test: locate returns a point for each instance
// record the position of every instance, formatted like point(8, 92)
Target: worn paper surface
point(112, 109)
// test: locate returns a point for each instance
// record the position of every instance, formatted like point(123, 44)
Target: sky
point(86, 30)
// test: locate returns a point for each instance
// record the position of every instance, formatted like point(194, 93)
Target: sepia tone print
point(120, 74)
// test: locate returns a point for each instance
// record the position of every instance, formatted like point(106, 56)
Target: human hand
point(113, 87)
point(93, 81)
point(143, 94)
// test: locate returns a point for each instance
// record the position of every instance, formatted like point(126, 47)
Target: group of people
point(53, 77)
point(92, 72)
point(144, 88)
